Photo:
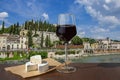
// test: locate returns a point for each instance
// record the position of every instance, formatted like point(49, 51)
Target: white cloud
point(45, 15)
point(106, 7)
point(99, 30)
point(107, 14)
point(83, 2)
point(3, 15)
point(80, 32)
point(29, 9)
point(99, 37)
point(108, 1)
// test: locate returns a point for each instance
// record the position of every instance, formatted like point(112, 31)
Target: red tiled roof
point(70, 46)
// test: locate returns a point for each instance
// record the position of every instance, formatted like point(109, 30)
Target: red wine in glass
point(66, 32)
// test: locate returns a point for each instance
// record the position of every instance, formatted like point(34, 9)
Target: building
point(114, 45)
point(106, 44)
point(3, 41)
point(37, 40)
point(86, 45)
point(12, 42)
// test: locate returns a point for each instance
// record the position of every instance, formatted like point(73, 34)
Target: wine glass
point(66, 30)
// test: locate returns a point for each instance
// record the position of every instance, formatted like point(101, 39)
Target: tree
point(35, 27)
point(30, 41)
point(3, 27)
point(58, 42)
point(25, 25)
point(77, 40)
point(17, 28)
point(10, 29)
point(42, 39)
point(47, 41)
point(14, 29)
point(85, 39)
point(40, 25)
point(91, 41)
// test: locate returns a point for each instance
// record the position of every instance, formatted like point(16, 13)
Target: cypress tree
point(46, 41)
point(30, 41)
point(3, 27)
point(17, 28)
point(11, 29)
point(42, 40)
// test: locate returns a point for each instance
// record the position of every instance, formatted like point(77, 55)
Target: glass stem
point(66, 54)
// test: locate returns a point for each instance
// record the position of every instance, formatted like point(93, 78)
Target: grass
point(24, 55)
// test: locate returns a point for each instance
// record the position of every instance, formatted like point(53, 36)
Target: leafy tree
point(91, 41)
point(85, 39)
point(77, 40)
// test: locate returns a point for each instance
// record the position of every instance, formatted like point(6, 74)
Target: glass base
point(66, 69)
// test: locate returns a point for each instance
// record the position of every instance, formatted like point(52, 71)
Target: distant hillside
point(28, 25)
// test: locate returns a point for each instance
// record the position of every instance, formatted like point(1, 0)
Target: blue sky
point(94, 18)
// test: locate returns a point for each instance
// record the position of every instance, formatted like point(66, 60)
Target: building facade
point(105, 44)
point(13, 42)
point(37, 40)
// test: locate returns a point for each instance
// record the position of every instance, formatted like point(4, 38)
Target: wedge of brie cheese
point(36, 59)
point(43, 67)
point(31, 66)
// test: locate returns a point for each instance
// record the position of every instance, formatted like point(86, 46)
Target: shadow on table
point(109, 65)
point(7, 75)
point(84, 65)
point(93, 65)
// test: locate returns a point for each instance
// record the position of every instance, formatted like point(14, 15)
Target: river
point(111, 58)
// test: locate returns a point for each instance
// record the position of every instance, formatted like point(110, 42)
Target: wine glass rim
point(66, 14)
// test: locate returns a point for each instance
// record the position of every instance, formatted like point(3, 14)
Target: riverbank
point(101, 58)
point(91, 58)
point(100, 54)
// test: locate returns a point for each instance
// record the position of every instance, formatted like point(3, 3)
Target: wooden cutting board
point(20, 69)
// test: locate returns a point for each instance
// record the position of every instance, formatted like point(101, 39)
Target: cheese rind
point(30, 66)
point(43, 67)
